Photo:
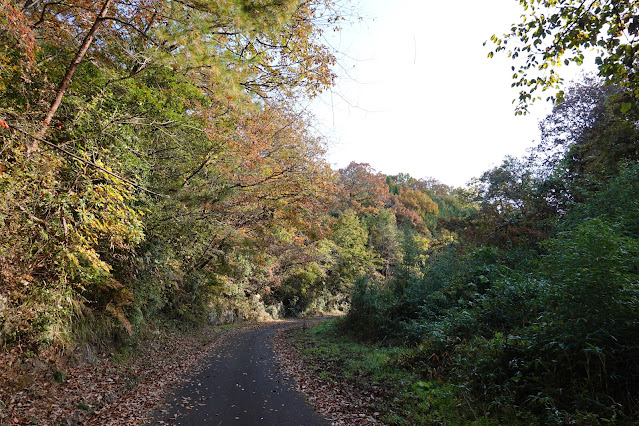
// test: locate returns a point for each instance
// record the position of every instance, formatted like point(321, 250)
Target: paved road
point(241, 386)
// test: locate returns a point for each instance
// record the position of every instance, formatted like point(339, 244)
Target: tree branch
point(89, 163)
point(68, 76)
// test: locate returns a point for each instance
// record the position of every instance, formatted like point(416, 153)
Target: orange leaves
point(274, 183)
point(363, 188)
point(3, 124)
point(18, 26)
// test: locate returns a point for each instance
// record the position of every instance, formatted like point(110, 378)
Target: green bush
point(368, 316)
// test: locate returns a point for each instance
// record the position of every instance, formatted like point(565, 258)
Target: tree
point(585, 141)
point(351, 255)
point(179, 167)
point(271, 49)
point(416, 207)
point(559, 32)
point(384, 238)
point(364, 189)
point(583, 106)
point(514, 211)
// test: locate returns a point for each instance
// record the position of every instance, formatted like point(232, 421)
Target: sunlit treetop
point(559, 32)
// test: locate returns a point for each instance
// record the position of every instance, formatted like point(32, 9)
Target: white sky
point(420, 95)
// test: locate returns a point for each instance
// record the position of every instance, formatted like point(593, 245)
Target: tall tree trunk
point(68, 76)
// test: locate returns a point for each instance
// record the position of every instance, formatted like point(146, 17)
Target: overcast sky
point(419, 94)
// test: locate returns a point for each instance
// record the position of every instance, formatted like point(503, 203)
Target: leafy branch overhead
point(106, 105)
point(265, 50)
point(553, 33)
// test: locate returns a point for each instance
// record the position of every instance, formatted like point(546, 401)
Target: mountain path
point(241, 384)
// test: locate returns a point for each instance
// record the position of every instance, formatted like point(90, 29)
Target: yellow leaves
point(120, 297)
point(418, 201)
point(73, 259)
point(107, 195)
point(118, 313)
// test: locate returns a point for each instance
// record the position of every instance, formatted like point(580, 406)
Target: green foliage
point(175, 173)
point(179, 179)
point(401, 396)
point(568, 352)
point(550, 347)
point(59, 376)
point(529, 315)
point(59, 225)
point(383, 238)
point(369, 308)
point(554, 33)
point(616, 203)
point(301, 287)
point(352, 256)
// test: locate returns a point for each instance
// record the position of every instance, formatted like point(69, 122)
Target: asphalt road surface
point(241, 386)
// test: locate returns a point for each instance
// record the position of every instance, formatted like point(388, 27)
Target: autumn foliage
point(156, 165)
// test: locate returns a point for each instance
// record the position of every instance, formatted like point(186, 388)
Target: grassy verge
point(403, 394)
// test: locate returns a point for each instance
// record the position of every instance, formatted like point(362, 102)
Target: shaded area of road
point(241, 385)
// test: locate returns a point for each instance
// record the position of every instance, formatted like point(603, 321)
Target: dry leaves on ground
point(340, 403)
point(99, 390)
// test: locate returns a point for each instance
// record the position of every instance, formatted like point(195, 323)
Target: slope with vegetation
point(154, 164)
point(519, 307)
point(527, 312)
point(157, 169)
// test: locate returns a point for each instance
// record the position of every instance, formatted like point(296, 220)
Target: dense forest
point(155, 164)
point(157, 168)
point(527, 312)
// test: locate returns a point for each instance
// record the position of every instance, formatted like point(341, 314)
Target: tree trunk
point(68, 76)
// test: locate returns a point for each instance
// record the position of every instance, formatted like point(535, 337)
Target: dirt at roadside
point(341, 403)
point(99, 390)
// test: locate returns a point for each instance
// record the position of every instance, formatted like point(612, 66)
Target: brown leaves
point(16, 24)
point(363, 188)
point(99, 388)
point(341, 403)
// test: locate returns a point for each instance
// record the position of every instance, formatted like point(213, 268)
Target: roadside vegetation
point(158, 171)
point(524, 310)
point(527, 313)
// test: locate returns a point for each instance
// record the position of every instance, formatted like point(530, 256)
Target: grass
point(59, 376)
point(405, 397)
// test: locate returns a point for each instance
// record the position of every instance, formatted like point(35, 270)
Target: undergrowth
point(404, 395)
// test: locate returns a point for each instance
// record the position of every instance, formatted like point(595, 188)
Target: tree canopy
point(157, 167)
point(553, 33)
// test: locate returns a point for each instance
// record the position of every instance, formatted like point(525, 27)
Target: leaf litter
point(94, 388)
point(339, 402)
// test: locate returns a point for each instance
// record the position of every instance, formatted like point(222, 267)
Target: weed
point(59, 376)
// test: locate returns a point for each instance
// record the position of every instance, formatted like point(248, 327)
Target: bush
point(370, 305)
